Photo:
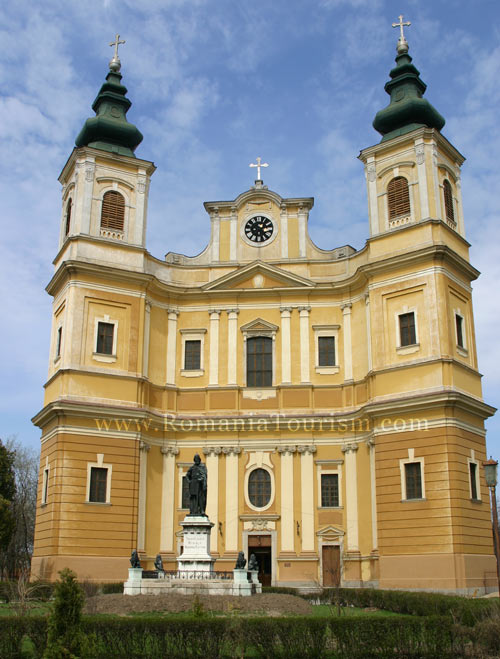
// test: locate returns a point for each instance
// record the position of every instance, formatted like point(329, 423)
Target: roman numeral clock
point(259, 229)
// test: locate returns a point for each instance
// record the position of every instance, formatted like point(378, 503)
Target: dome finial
point(402, 46)
point(115, 64)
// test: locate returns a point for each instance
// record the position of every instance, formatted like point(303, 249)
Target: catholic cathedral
point(334, 395)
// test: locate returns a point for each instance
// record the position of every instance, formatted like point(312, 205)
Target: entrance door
point(260, 545)
point(331, 565)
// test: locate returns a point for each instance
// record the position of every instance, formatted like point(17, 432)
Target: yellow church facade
point(334, 395)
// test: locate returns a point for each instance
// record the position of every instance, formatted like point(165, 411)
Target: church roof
point(407, 110)
point(109, 130)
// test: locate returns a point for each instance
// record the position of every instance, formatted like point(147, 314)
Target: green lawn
point(35, 608)
point(326, 610)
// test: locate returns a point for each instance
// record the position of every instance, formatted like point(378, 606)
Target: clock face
point(258, 229)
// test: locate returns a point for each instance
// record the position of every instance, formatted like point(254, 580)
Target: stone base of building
point(461, 574)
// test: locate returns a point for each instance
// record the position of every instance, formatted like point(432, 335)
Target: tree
point(64, 634)
point(7, 493)
point(16, 558)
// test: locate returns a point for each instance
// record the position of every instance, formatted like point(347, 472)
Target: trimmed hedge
point(156, 638)
point(112, 588)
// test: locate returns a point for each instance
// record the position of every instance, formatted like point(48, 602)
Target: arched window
point(259, 361)
point(259, 488)
point(113, 211)
point(398, 197)
point(69, 206)
point(448, 201)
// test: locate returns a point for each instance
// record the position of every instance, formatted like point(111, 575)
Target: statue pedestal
point(196, 554)
point(133, 585)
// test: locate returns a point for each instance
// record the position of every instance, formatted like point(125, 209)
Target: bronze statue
point(159, 563)
point(241, 561)
point(252, 563)
point(134, 559)
point(197, 480)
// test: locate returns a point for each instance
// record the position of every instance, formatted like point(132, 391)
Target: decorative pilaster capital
point(346, 308)
point(286, 312)
point(370, 442)
point(235, 312)
point(371, 172)
point(212, 450)
point(148, 306)
point(214, 314)
point(304, 311)
point(89, 171)
point(347, 448)
point(234, 450)
point(286, 450)
point(172, 313)
point(141, 185)
point(305, 449)
point(143, 446)
point(283, 209)
point(169, 450)
point(367, 299)
point(420, 153)
point(214, 213)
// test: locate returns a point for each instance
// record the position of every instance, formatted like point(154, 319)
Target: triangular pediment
point(259, 325)
point(258, 275)
point(330, 531)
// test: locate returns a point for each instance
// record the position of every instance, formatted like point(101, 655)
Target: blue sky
point(215, 83)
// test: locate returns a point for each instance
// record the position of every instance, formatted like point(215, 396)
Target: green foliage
point(112, 588)
point(64, 635)
point(7, 493)
point(198, 609)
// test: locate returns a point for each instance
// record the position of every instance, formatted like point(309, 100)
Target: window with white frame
point(98, 481)
point(329, 483)
point(259, 345)
point(45, 482)
point(326, 348)
point(105, 339)
point(460, 333)
point(193, 341)
point(412, 477)
point(407, 329)
point(474, 485)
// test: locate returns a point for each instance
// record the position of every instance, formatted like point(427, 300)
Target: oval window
point(259, 488)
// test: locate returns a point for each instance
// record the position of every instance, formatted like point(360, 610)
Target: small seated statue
point(252, 563)
point(159, 563)
point(134, 559)
point(241, 561)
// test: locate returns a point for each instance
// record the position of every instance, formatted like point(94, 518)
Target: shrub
point(64, 637)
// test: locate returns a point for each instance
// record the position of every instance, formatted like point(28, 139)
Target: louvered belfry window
point(398, 197)
point(448, 201)
point(113, 211)
point(68, 216)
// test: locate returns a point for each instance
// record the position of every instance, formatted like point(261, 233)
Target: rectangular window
point(59, 341)
point(459, 324)
point(329, 490)
point(185, 493)
point(473, 480)
point(407, 329)
point(413, 478)
point(98, 484)
point(45, 485)
point(192, 355)
point(105, 335)
point(326, 350)
point(259, 362)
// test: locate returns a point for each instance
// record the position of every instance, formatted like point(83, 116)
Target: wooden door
point(331, 565)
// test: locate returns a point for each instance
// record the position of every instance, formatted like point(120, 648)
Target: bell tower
point(105, 187)
point(413, 174)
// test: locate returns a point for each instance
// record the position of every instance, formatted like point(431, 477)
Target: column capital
point(214, 314)
point(346, 308)
point(286, 310)
point(306, 449)
point(286, 450)
point(230, 311)
point(148, 306)
point(212, 450)
point(143, 446)
point(347, 448)
point(173, 312)
point(367, 299)
point(169, 450)
point(304, 310)
point(228, 450)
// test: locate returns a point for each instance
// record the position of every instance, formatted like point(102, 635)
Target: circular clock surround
point(258, 230)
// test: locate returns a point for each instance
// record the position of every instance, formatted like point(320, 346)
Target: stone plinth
point(133, 585)
point(196, 554)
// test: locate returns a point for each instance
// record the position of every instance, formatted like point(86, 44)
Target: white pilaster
point(215, 236)
point(233, 235)
point(231, 533)
point(304, 344)
point(147, 326)
point(371, 184)
point(139, 237)
point(351, 496)
point(287, 530)
point(459, 207)
point(422, 179)
point(212, 462)
point(373, 487)
point(307, 496)
point(167, 499)
point(302, 218)
point(437, 189)
point(232, 344)
point(213, 374)
point(141, 512)
point(368, 331)
point(284, 231)
point(86, 199)
point(171, 344)
point(68, 328)
point(346, 310)
point(286, 358)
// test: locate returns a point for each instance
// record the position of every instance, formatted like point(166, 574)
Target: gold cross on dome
point(116, 43)
point(401, 25)
point(259, 164)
